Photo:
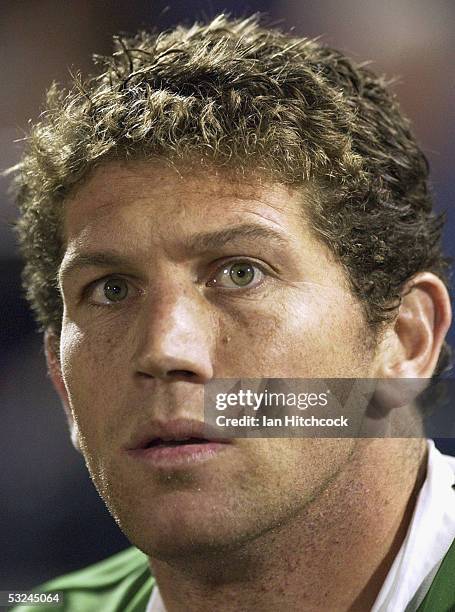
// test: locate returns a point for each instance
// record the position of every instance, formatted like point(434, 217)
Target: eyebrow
point(205, 241)
point(200, 242)
point(96, 259)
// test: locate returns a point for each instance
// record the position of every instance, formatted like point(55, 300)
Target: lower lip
point(178, 456)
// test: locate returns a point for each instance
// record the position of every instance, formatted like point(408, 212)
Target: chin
point(174, 542)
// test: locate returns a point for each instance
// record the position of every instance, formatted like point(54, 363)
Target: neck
point(334, 555)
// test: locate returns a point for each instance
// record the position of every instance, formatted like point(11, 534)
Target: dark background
point(51, 519)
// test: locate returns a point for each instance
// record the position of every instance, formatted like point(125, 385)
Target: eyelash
point(254, 264)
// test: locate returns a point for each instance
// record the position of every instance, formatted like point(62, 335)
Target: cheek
point(93, 367)
point(247, 340)
point(93, 349)
point(307, 334)
point(327, 341)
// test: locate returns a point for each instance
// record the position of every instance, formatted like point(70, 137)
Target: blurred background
point(51, 519)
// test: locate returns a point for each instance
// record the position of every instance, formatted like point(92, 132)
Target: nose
point(174, 338)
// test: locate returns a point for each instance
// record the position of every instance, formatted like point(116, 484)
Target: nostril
point(183, 373)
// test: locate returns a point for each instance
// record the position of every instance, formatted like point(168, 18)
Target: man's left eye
point(237, 275)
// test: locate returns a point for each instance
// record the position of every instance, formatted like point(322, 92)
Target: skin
point(289, 524)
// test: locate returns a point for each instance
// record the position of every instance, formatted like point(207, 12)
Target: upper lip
point(177, 429)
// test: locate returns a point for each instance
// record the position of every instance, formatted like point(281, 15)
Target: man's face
point(162, 309)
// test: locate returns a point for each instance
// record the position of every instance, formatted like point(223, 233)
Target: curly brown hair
point(237, 94)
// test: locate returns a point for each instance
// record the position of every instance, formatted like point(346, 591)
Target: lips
point(170, 442)
point(177, 444)
point(176, 433)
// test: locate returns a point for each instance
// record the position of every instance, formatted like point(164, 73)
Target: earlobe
point(51, 349)
point(421, 325)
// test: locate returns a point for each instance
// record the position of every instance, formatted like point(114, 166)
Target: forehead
point(165, 199)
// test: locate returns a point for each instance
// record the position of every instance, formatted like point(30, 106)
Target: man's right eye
point(108, 291)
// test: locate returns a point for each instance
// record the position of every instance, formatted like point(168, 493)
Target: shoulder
point(104, 573)
point(441, 594)
point(122, 582)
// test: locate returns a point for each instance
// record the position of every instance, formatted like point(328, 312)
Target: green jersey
point(122, 583)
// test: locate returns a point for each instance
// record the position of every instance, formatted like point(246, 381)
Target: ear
point(52, 352)
point(424, 317)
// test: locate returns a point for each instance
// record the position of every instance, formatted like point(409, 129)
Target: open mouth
point(177, 443)
point(177, 452)
point(161, 442)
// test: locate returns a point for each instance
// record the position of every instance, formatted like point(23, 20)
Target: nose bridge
point(175, 333)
